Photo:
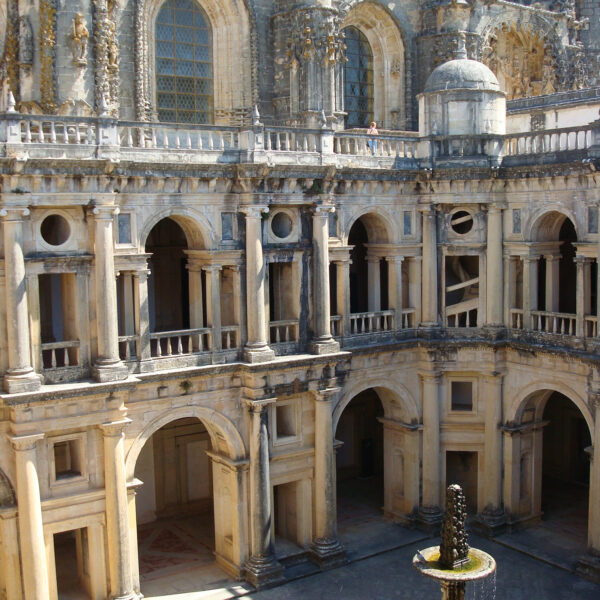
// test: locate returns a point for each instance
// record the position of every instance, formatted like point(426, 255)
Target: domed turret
point(462, 97)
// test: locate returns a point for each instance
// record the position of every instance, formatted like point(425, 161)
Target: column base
point(130, 596)
point(109, 371)
point(588, 567)
point(263, 572)
point(328, 553)
point(329, 346)
point(491, 522)
point(429, 519)
point(19, 381)
point(258, 355)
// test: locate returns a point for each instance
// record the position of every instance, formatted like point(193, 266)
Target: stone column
point(492, 518)
point(530, 290)
point(326, 549)
point(429, 280)
point(20, 376)
point(195, 293)
point(257, 350)
point(323, 342)
point(117, 520)
point(430, 514)
point(213, 304)
point(108, 365)
point(31, 529)
point(552, 271)
point(142, 316)
point(495, 274)
point(395, 287)
point(343, 293)
point(374, 282)
point(262, 569)
point(580, 297)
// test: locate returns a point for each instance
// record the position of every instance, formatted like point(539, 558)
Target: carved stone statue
point(113, 49)
point(79, 40)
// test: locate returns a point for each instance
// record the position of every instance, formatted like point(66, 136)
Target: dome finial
point(461, 50)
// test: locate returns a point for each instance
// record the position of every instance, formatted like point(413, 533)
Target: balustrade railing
point(463, 314)
point(283, 139)
point(57, 130)
point(371, 322)
point(287, 330)
point(128, 346)
point(590, 328)
point(337, 325)
point(230, 337)
point(408, 318)
point(56, 355)
point(551, 140)
point(361, 144)
point(516, 318)
point(553, 322)
point(185, 341)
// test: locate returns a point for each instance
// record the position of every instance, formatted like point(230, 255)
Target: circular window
point(461, 222)
point(281, 225)
point(55, 230)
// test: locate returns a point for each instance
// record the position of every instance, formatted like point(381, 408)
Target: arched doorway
point(178, 528)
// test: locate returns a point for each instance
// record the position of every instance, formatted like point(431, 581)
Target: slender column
point(509, 290)
point(256, 350)
point(395, 286)
point(429, 513)
point(580, 298)
point(326, 549)
point(343, 293)
point(415, 273)
point(195, 293)
point(142, 314)
point(237, 308)
point(31, 528)
point(117, 520)
point(512, 471)
point(552, 266)
point(108, 364)
point(492, 517)
point(262, 569)
point(429, 281)
point(495, 274)
point(530, 292)
point(374, 281)
point(322, 342)
point(213, 303)
point(20, 376)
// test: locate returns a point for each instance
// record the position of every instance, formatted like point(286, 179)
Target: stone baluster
point(429, 280)
point(108, 365)
point(31, 528)
point(117, 520)
point(326, 549)
point(20, 376)
point(322, 342)
point(262, 569)
point(257, 350)
point(495, 275)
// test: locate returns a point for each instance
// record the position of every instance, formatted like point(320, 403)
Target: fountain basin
point(479, 565)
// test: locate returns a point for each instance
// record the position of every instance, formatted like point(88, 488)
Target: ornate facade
point(219, 295)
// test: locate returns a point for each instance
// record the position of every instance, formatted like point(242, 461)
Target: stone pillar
point(117, 520)
point(322, 342)
point(509, 290)
point(429, 280)
point(213, 304)
point(495, 274)
point(343, 293)
point(395, 287)
point(530, 290)
point(552, 271)
point(326, 549)
point(257, 350)
point(580, 297)
point(374, 282)
point(20, 376)
point(430, 515)
point(195, 293)
point(108, 365)
point(31, 529)
point(512, 470)
point(261, 569)
point(492, 518)
point(142, 317)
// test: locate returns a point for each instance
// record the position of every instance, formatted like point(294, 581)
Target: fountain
point(453, 563)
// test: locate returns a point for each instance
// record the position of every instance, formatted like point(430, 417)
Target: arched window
point(358, 79)
point(184, 80)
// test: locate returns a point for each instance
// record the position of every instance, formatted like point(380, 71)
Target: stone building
point(220, 295)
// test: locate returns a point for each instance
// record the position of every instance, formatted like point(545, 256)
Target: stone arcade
point(222, 301)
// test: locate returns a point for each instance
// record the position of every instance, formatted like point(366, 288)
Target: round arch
point(521, 398)
point(198, 231)
point(389, 62)
point(7, 492)
point(223, 434)
point(545, 224)
point(378, 223)
point(391, 394)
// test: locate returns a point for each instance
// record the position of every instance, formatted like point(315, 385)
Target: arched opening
point(176, 510)
point(358, 79)
point(360, 460)
point(184, 69)
point(554, 474)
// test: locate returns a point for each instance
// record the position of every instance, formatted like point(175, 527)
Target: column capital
point(430, 375)
point(105, 211)
point(494, 376)
point(427, 210)
point(396, 258)
point(580, 259)
point(495, 208)
point(114, 428)
point(258, 406)
point(22, 443)
point(323, 210)
point(254, 211)
point(211, 267)
point(14, 213)
point(327, 394)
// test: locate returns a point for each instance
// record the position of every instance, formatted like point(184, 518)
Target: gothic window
point(358, 79)
point(184, 79)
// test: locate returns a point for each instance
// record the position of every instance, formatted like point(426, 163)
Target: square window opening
point(462, 396)
point(285, 418)
point(67, 459)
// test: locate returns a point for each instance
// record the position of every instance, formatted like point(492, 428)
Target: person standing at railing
point(372, 143)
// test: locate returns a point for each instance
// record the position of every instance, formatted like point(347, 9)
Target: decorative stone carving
point(107, 57)
point(25, 43)
point(10, 59)
point(454, 549)
point(79, 40)
point(47, 46)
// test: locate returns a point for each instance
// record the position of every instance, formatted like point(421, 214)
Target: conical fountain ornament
point(453, 562)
